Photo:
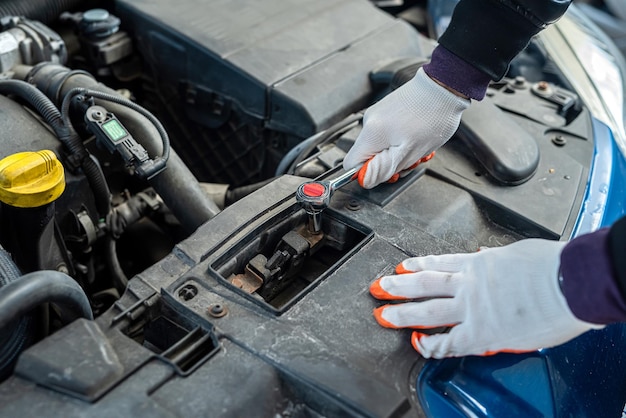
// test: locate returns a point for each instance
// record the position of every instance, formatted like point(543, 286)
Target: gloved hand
point(406, 125)
point(504, 299)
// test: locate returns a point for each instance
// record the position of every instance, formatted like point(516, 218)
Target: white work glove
point(405, 126)
point(504, 299)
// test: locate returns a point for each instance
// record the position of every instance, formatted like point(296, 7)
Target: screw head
point(97, 115)
point(188, 292)
point(217, 310)
point(63, 268)
point(353, 205)
point(559, 140)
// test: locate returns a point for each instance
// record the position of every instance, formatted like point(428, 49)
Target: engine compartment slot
point(178, 341)
point(280, 262)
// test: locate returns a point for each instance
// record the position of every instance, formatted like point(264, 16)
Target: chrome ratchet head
point(314, 197)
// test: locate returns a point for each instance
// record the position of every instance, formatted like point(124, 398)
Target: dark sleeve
point(594, 275)
point(484, 36)
point(617, 251)
point(488, 34)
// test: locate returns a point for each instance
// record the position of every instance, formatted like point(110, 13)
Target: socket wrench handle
point(343, 179)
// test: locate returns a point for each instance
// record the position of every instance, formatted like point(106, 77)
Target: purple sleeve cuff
point(589, 282)
point(457, 74)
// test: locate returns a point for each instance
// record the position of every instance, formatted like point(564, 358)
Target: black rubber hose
point(46, 11)
point(113, 264)
point(98, 184)
point(238, 193)
point(40, 102)
point(19, 334)
point(20, 297)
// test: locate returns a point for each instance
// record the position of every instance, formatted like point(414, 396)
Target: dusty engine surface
point(214, 299)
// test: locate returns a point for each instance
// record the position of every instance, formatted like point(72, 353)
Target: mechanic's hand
point(504, 299)
point(406, 125)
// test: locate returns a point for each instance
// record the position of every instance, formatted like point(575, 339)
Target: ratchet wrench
point(314, 196)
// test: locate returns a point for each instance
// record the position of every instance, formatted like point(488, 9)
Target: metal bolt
point(353, 205)
point(97, 115)
point(519, 81)
point(542, 86)
point(125, 92)
point(62, 268)
point(188, 292)
point(566, 177)
point(559, 140)
point(217, 310)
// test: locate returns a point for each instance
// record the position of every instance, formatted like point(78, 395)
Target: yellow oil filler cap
point(31, 179)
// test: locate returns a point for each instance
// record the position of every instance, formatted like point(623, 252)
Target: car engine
point(151, 152)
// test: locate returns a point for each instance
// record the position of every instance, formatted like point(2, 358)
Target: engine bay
point(184, 130)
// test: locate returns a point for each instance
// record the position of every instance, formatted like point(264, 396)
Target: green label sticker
point(114, 130)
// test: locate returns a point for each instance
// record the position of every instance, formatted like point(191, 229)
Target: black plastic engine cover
point(298, 65)
point(239, 83)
